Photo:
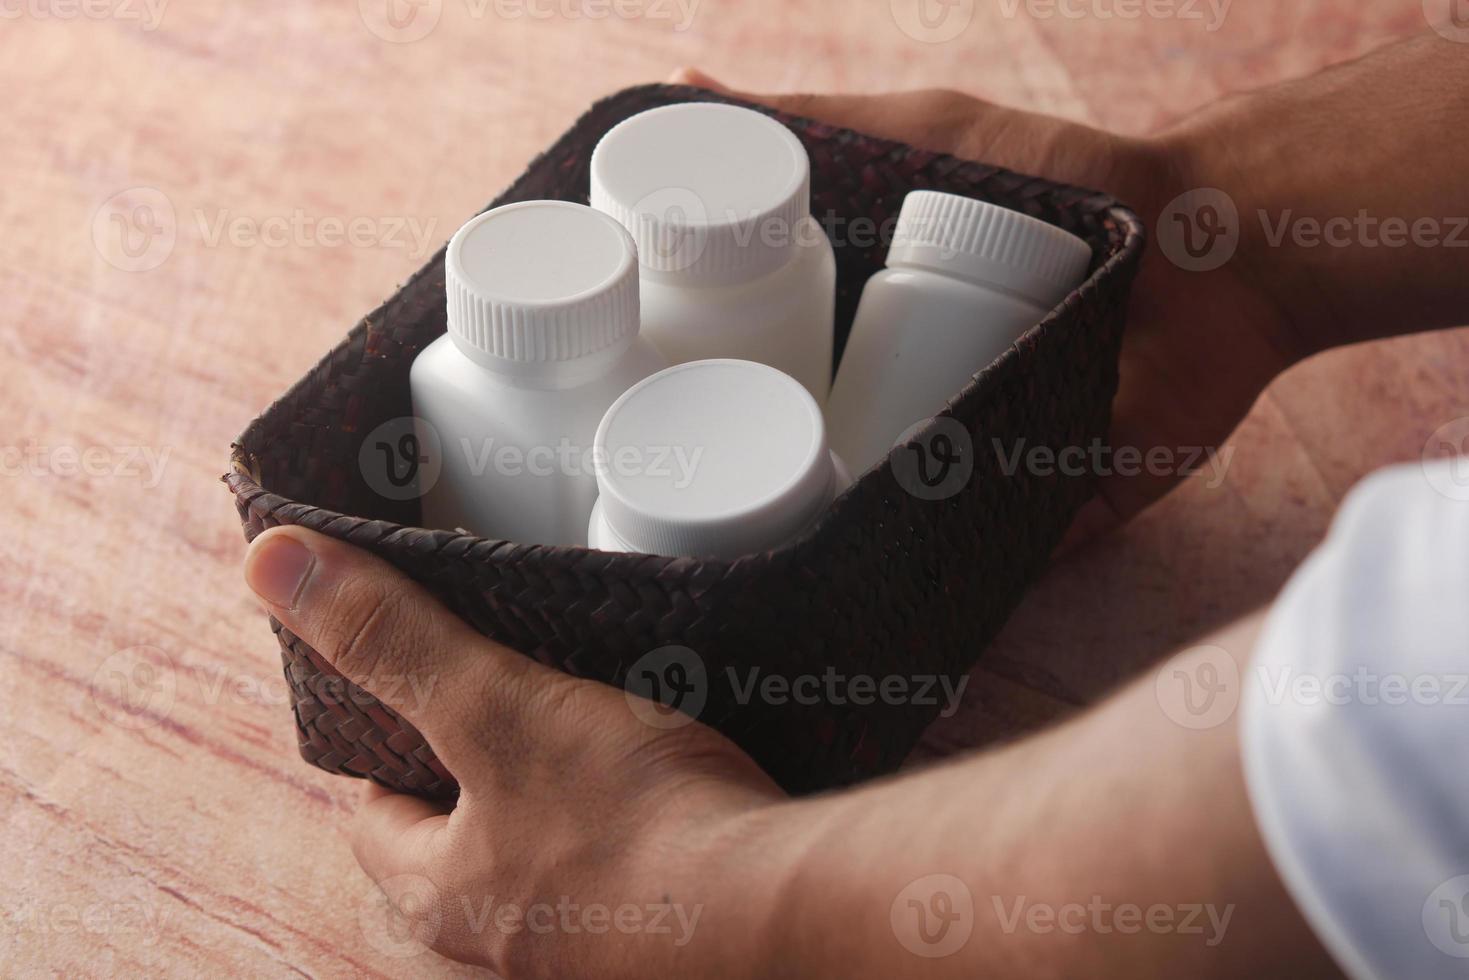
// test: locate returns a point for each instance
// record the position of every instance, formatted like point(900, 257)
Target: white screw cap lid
point(989, 244)
point(713, 459)
point(541, 281)
point(713, 194)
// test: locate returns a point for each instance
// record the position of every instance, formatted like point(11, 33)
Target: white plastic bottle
point(542, 337)
point(712, 459)
point(964, 280)
point(718, 198)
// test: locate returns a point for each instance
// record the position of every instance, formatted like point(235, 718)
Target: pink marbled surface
point(193, 840)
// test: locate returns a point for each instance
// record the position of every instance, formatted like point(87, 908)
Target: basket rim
point(1128, 235)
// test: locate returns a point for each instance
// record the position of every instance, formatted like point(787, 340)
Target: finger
point(937, 119)
point(393, 834)
point(1094, 520)
point(696, 78)
point(952, 122)
point(385, 633)
point(899, 115)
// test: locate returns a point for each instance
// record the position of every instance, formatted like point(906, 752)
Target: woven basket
point(890, 583)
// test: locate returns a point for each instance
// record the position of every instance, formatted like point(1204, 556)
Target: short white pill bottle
point(712, 459)
point(964, 280)
point(542, 337)
point(718, 198)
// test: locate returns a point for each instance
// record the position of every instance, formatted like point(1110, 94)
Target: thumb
point(385, 633)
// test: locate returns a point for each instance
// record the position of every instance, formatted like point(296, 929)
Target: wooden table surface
point(188, 837)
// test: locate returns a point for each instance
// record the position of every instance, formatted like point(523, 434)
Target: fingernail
point(277, 569)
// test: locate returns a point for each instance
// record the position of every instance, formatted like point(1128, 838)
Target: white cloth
point(1355, 728)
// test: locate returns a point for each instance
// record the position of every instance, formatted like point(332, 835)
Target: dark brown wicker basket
point(886, 584)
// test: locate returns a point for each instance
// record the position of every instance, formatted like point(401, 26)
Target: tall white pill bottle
point(733, 265)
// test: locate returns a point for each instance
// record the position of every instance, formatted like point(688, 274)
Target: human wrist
point(799, 867)
point(857, 864)
point(729, 862)
point(773, 859)
point(1349, 210)
point(1218, 159)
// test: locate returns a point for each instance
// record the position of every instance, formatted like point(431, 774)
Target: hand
point(571, 810)
point(587, 844)
point(1199, 347)
point(1320, 170)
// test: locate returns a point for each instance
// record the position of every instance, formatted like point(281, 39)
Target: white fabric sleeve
point(1355, 728)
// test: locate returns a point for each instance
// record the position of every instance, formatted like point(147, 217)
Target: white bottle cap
point(714, 194)
point(541, 281)
point(989, 244)
point(713, 459)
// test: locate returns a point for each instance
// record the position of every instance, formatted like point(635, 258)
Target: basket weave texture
point(886, 585)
